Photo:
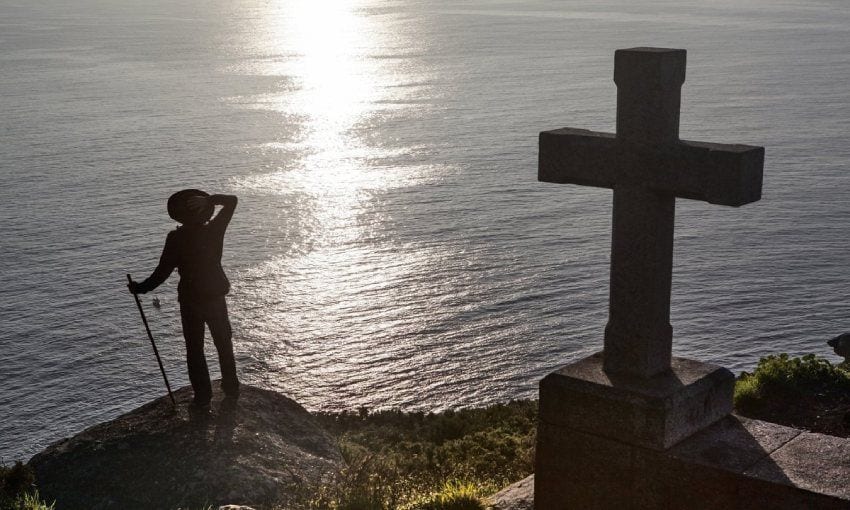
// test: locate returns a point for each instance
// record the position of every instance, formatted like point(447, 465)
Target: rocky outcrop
point(518, 496)
point(261, 449)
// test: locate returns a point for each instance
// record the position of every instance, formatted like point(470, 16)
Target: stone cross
point(647, 166)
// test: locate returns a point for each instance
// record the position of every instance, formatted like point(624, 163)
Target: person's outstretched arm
point(167, 263)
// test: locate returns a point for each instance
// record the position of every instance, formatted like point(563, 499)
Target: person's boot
point(230, 388)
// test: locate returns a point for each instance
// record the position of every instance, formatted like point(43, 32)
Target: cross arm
point(578, 156)
point(717, 173)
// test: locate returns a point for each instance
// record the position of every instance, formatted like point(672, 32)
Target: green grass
point(454, 495)
point(31, 501)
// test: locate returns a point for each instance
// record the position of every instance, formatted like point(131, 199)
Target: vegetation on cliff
point(17, 490)
point(432, 461)
point(808, 393)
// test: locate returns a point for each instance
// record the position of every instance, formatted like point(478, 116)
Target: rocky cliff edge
point(260, 449)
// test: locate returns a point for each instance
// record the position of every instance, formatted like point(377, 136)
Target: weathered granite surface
point(737, 463)
point(654, 412)
point(256, 450)
point(517, 496)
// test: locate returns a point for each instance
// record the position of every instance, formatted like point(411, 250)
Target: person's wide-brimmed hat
point(178, 207)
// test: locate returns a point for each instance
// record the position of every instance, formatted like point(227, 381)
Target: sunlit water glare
point(392, 247)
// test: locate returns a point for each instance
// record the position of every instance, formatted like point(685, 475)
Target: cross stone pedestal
point(653, 413)
point(595, 428)
point(598, 414)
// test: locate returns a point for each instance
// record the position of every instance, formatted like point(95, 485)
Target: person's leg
point(219, 324)
point(193, 332)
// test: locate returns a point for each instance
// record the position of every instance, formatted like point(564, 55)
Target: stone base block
point(575, 470)
point(735, 463)
point(652, 413)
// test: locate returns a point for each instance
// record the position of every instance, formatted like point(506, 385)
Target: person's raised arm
point(167, 263)
point(228, 205)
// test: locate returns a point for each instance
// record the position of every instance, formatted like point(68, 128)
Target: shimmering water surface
point(392, 247)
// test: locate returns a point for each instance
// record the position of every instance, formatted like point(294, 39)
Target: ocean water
point(392, 247)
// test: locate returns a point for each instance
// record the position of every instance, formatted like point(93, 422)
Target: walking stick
point(155, 351)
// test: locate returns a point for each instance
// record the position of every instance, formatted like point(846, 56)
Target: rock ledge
point(260, 449)
point(518, 496)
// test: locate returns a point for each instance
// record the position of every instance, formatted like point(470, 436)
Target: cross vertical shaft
point(649, 90)
point(638, 337)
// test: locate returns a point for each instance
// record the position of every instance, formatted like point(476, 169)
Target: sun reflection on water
point(340, 296)
point(332, 87)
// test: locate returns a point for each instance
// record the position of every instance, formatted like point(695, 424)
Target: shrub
point(808, 393)
point(781, 376)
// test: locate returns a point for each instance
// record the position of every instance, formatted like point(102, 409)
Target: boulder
point(260, 449)
point(518, 496)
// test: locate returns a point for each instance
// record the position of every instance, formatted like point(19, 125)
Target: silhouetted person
point(194, 248)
